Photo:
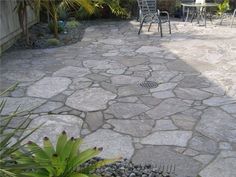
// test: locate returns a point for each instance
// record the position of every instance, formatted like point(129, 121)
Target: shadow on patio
point(92, 89)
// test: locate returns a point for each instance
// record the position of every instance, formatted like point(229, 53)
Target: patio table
point(200, 7)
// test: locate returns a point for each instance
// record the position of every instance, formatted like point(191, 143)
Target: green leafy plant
point(99, 7)
point(54, 7)
point(223, 7)
point(72, 24)
point(65, 160)
point(60, 27)
point(53, 42)
point(7, 136)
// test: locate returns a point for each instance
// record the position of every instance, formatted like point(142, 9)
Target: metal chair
point(233, 16)
point(148, 12)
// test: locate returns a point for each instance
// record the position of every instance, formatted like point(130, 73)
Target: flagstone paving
point(92, 89)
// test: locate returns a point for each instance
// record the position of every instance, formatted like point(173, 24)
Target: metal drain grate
point(149, 84)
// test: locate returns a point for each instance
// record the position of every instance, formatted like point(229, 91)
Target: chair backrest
point(200, 1)
point(147, 6)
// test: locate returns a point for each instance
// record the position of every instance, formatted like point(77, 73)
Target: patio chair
point(148, 12)
point(233, 16)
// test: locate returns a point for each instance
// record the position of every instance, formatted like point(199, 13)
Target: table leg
point(205, 17)
point(183, 10)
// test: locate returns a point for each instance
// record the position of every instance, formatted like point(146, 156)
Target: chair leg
point(160, 26)
point(150, 26)
point(186, 19)
point(221, 19)
point(232, 21)
point(169, 27)
point(141, 26)
point(193, 17)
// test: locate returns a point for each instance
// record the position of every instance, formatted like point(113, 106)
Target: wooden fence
point(9, 23)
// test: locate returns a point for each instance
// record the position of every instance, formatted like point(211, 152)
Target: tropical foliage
point(54, 7)
point(65, 160)
point(223, 7)
point(8, 134)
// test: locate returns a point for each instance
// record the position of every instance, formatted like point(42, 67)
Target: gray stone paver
point(91, 89)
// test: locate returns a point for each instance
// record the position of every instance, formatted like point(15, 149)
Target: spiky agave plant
point(8, 134)
point(65, 160)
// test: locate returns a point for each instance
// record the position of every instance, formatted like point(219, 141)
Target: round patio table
point(201, 7)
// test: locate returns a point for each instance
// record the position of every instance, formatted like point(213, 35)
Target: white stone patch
point(113, 144)
point(175, 138)
point(48, 87)
point(71, 71)
point(149, 49)
point(223, 166)
point(53, 125)
point(91, 99)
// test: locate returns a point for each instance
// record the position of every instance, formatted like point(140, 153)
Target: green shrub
point(60, 27)
point(223, 7)
point(72, 24)
point(53, 42)
point(65, 160)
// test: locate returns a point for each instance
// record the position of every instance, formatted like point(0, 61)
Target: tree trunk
point(26, 26)
point(55, 25)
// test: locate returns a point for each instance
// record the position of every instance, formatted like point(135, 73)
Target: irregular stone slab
point(204, 159)
point(223, 166)
point(168, 107)
point(133, 61)
point(218, 125)
point(149, 100)
point(112, 41)
point(126, 110)
point(48, 87)
point(94, 120)
point(109, 87)
point(191, 94)
point(48, 107)
point(179, 65)
point(175, 138)
point(164, 125)
point(131, 99)
point(103, 64)
point(162, 76)
point(137, 128)
point(163, 94)
point(71, 71)
point(192, 82)
point(24, 75)
point(114, 144)
point(164, 87)
point(149, 49)
point(25, 103)
point(97, 77)
point(203, 144)
point(230, 108)
point(185, 166)
point(53, 125)
point(219, 101)
point(122, 80)
point(183, 121)
point(90, 99)
point(215, 90)
point(131, 90)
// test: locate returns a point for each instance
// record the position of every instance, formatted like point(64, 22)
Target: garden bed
point(41, 37)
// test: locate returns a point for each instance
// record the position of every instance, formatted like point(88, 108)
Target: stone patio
point(91, 89)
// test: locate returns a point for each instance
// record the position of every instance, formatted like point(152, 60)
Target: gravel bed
point(126, 168)
point(40, 33)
